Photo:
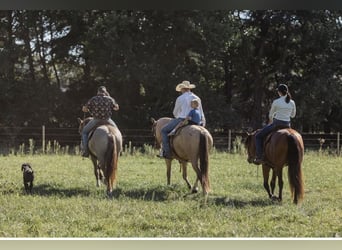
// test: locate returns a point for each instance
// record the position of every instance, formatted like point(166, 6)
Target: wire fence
point(12, 138)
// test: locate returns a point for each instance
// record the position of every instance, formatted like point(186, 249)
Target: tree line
point(52, 61)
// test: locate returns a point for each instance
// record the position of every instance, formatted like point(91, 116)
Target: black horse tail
point(295, 157)
point(204, 162)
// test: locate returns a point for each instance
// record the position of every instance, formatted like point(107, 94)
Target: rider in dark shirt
point(100, 108)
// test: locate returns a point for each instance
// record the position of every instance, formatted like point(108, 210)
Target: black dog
point(28, 177)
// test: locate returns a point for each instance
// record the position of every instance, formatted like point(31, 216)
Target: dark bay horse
point(281, 147)
point(191, 144)
point(105, 145)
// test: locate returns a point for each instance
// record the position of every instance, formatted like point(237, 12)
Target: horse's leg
point(96, 170)
point(195, 187)
point(273, 182)
point(194, 164)
point(266, 174)
point(185, 173)
point(280, 184)
point(168, 171)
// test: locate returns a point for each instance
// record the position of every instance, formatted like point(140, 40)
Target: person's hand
point(203, 123)
point(85, 109)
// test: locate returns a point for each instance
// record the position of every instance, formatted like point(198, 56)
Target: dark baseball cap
point(283, 88)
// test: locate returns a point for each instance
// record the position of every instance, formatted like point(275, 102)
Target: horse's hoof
point(275, 198)
point(109, 194)
point(194, 191)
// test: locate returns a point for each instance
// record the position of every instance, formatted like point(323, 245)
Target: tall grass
point(66, 202)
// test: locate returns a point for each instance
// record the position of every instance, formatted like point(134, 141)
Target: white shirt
point(281, 110)
point(183, 105)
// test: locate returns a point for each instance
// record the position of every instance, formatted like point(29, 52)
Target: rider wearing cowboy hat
point(180, 112)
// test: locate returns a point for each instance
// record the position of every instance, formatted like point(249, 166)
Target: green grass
point(66, 202)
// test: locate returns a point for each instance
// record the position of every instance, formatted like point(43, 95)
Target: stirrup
point(258, 161)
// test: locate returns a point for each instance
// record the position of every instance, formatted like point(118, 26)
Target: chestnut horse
point(190, 144)
point(105, 145)
point(281, 147)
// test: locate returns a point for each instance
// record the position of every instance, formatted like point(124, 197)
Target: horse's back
point(186, 142)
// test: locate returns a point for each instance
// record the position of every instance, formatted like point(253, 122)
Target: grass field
point(66, 202)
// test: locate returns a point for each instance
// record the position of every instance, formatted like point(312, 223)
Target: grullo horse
point(105, 145)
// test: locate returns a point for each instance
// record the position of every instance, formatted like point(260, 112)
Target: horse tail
point(295, 158)
point(204, 161)
point(112, 159)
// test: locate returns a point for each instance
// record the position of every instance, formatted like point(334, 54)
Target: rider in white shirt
point(180, 112)
point(281, 112)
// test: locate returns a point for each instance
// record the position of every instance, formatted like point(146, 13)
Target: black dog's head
point(26, 167)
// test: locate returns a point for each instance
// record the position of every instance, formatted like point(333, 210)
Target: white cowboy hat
point(185, 85)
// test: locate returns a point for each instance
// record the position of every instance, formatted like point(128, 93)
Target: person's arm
point(178, 107)
point(115, 104)
point(293, 113)
point(272, 112)
point(85, 107)
point(203, 121)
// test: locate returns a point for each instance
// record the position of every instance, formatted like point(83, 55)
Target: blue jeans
point(87, 128)
point(167, 129)
point(261, 135)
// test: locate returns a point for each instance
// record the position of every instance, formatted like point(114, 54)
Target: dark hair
point(284, 90)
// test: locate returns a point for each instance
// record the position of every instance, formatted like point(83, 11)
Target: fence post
point(43, 139)
point(229, 140)
point(338, 143)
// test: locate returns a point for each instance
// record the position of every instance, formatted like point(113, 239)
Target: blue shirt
point(195, 116)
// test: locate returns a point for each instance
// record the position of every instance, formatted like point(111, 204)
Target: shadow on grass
point(235, 203)
point(48, 190)
point(147, 194)
point(159, 193)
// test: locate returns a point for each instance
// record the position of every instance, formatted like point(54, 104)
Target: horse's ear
point(153, 121)
point(79, 120)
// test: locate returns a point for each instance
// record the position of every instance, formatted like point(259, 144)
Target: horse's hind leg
point(198, 175)
point(273, 182)
point(168, 171)
point(185, 173)
point(277, 173)
point(195, 187)
point(96, 170)
point(280, 184)
point(266, 174)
